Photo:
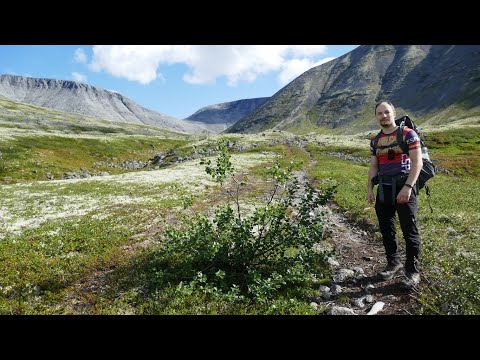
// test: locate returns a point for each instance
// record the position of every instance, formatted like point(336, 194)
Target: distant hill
point(222, 116)
point(74, 97)
point(432, 83)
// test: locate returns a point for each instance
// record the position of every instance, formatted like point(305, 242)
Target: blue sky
point(176, 80)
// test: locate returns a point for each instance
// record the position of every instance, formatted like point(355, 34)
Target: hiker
point(396, 174)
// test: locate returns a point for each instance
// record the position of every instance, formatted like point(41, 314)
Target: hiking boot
point(412, 279)
point(390, 271)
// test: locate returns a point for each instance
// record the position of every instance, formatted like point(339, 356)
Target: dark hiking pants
point(407, 213)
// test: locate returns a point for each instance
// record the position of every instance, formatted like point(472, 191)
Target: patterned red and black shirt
point(400, 163)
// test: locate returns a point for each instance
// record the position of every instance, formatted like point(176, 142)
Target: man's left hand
point(404, 195)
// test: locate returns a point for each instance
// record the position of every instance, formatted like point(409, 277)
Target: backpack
point(428, 168)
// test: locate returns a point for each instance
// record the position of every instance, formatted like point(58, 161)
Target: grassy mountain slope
point(424, 81)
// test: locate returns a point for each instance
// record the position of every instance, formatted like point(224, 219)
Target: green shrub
point(256, 257)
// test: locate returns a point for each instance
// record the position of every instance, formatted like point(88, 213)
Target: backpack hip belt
point(393, 180)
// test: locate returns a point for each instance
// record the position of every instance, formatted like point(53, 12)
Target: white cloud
point(295, 67)
point(323, 61)
point(79, 56)
point(206, 63)
point(307, 50)
point(136, 63)
point(79, 77)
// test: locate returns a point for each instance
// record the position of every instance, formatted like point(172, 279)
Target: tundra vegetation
point(227, 224)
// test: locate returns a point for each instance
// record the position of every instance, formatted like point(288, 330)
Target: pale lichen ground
point(26, 206)
point(7, 134)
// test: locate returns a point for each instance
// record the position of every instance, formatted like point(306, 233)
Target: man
point(397, 173)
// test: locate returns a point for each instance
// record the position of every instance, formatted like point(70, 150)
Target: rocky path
point(355, 286)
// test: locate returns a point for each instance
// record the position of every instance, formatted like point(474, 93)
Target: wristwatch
point(408, 185)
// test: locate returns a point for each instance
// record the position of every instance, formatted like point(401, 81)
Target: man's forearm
point(415, 171)
point(371, 174)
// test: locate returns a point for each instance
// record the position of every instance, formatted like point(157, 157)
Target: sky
point(175, 80)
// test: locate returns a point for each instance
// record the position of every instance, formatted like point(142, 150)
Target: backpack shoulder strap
point(375, 142)
point(400, 140)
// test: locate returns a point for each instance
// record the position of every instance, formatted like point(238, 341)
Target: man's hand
point(404, 195)
point(370, 197)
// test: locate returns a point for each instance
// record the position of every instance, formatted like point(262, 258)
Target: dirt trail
point(354, 247)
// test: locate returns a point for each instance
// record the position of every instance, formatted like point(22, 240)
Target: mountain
point(74, 97)
point(221, 116)
point(436, 83)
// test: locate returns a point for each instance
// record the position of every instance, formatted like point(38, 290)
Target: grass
point(30, 158)
point(16, 115)
point(54, 234)
point(350, 179)
point(457, 150)
point(451, 247)
point(40, 264)
point(449, 235)
point(59, 237)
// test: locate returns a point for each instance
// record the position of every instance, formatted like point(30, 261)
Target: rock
point(358, 270)
point(359, 302)
point(324, 292)
point(332, 262)
point(340, 310)
point(376, 308)
point(342, 275)
point(336, 290)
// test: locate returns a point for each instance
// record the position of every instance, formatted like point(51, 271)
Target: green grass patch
point(457, 150)
point(138, 287)
point(40, 264)
point(72, 230)
point(450, 236)
point(451, 239)
point(351, 180)
point(30, 158)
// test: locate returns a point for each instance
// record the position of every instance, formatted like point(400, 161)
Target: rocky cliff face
point(74, 97)
point(420, 80)
point(222, 116)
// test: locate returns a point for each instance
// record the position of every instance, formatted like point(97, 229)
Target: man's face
point(385, 115)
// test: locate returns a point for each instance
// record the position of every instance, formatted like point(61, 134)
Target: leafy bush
point(253, 257)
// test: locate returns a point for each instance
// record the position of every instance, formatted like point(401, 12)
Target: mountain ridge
point(421, 80)
point(80, 98)
point(222, 115)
